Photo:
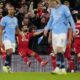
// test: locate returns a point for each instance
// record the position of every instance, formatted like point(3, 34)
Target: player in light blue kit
point(59, 23)
point(8, 27)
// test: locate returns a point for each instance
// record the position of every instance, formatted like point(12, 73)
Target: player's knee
point(59, 50)
point(79, 55)
point(33, 54)
point(9, 51)
point(22, 55)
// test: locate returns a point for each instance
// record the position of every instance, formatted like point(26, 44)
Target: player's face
point(25, 29)
point(11, 10)
point(53, 4)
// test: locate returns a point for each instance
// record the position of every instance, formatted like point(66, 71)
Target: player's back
point(78, 30)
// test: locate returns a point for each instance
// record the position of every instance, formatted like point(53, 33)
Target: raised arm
point(38, 33)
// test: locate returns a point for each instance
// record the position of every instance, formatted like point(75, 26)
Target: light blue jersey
point(9, 25)
point(60, 20)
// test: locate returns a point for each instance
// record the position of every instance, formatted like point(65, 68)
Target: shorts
point(59, 40)
point(24, 51)
point(9, 45)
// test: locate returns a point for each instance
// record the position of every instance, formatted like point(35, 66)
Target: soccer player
point(60, 17)
point(69, 53)
point(53, 56)
point(8, 28)
point(77, 39)
point(23, 39)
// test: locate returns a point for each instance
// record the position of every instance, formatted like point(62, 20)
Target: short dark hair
point(32, 27)
point(78, 16)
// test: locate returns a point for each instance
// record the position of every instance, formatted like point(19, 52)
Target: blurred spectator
point(1, 15)
point(40, 9)
point(67, 3)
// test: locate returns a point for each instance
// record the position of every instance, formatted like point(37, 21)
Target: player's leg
point(77, 51)
point(78, 61)
point(23, 54)
point(50, 50)
point(37, 57)
point(69, 58)
point(53, 59)
point(9, 50)
point(71, 65)
point(3, 53)
point(59, 45)
point(54, 46)
point(62, 49)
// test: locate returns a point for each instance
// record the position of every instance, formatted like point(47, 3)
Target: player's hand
point(45, 32)
point(74, 34)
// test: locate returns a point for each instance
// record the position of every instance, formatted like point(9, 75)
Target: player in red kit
point(68, 54)
point(77, 39)
point(23, 39)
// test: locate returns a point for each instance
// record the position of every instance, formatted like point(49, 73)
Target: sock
point(25, 59)
point(71, 64)
point(62, 65)
point(62, 60)
point(53, 59)
point(58, 60)
point(8, 60)
point(38, 58)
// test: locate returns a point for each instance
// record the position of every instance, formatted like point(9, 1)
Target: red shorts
point(24, 52)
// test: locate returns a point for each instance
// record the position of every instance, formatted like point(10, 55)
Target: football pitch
point(38, 76)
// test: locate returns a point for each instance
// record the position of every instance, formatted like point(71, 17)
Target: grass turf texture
point(38, 76)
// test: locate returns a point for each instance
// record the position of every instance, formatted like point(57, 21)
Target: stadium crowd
point(34, 14)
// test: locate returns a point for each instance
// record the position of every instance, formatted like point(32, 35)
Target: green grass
point(38, 76)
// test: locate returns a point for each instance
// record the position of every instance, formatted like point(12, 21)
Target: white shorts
point(59, 40)
point(9, 45)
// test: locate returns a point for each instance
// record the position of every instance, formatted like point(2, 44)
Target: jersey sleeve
point(30, 35)
point(3, 22)
point(69, 17)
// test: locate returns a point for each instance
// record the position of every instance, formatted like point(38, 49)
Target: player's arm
point(70, 19)
point(48, 26)
point(2, 24)
point(1, 33)
point(50, 37)
point(70, 36)
point(38, 33)
point(17, 31)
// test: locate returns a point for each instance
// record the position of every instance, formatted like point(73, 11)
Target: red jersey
point(23, 40)
point(77, 38)
point(78, 30)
